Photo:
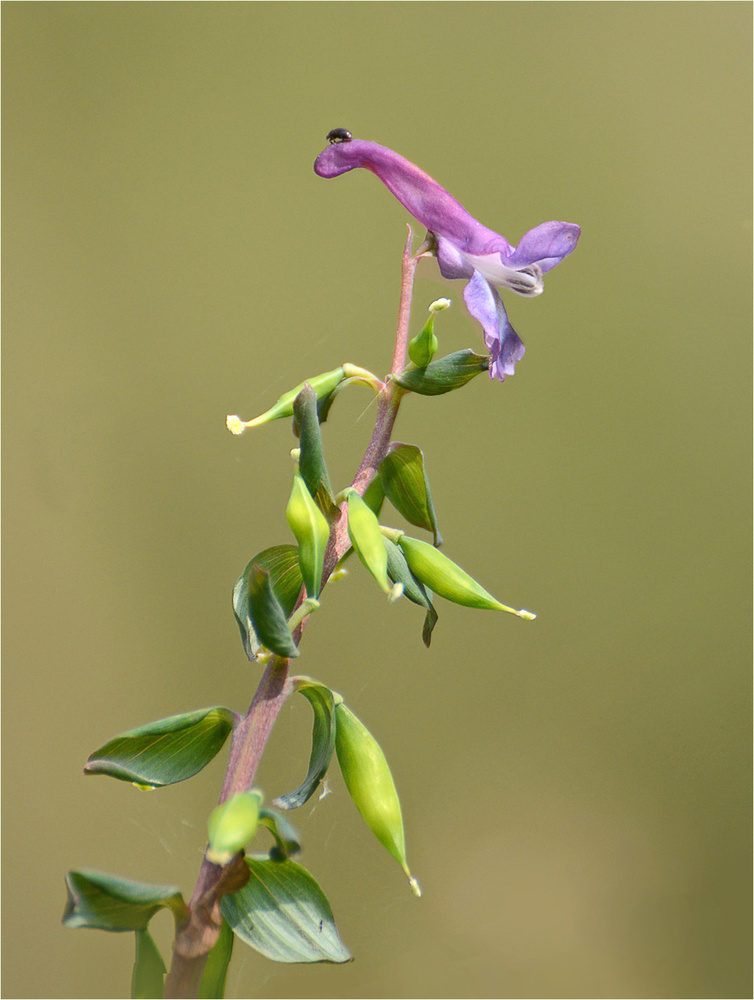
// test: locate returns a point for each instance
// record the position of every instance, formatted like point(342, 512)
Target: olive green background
point(575, 789)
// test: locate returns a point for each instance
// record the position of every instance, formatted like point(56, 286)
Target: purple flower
point(465, 248)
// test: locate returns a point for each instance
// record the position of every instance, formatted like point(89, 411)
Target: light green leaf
point(212, 983)
point(164, 752)
point(283, 914)
point(147, 980)
point(323, 741)
point(406, 486)
point(109, 903)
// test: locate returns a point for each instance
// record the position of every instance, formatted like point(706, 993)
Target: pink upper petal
point(419, 193)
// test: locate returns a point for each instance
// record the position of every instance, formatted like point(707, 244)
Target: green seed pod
point(447, 579)
point(366, 538)
point(309, 525)
point(370, 785)
point(232, 825)
point(323, 385)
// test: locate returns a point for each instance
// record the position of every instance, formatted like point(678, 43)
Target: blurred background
point(575, 790)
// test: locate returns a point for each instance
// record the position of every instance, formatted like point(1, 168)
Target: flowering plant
point(269, 901)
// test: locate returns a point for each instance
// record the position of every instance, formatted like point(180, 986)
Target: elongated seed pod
point(322, 384)
point(445, 578)
point(370, 784)
point(366, 538)
point(309, 525)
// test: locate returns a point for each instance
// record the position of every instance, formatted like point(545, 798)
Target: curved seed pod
point(366, 538)
point(309, 525)
point(370, 785)
point(448, 580)
point(323, 385)
point(231, 826)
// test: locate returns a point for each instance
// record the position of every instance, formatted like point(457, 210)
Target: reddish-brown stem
point(250, 736)
point(404, 311)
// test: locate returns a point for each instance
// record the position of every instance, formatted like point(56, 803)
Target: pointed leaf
point(109, 903)
point(398, 571)
point(311, 460)
point(281, 562)
point(406, 486)
point(323, 741)
point(283, 914)
point(212, 983)
point(451, 372)
point(147, 980)
point(166, 751)
point(267, 616)
point(286, 838)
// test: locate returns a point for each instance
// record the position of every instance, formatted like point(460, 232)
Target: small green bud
point(366, 538)
point(309, 525)
point(232, 825)
point(423, 348)
point(370, 785)
point(445, 578)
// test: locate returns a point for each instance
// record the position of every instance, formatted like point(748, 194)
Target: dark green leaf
point(311, 460)
point(212, 983)
point(166, 751)
point(450, 372)
point(267, 616)
point(398, 571)
point(147, 980)
point(323, 741)
point(109, 903)
point(286, 838)
point(281, 562)
point(374, 496)
point(405, 483)
point(283, 914)
point(324, 404)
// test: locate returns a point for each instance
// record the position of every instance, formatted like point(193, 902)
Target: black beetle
point(339, 135)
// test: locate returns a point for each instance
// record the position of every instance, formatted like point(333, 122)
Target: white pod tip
point(234, 424)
